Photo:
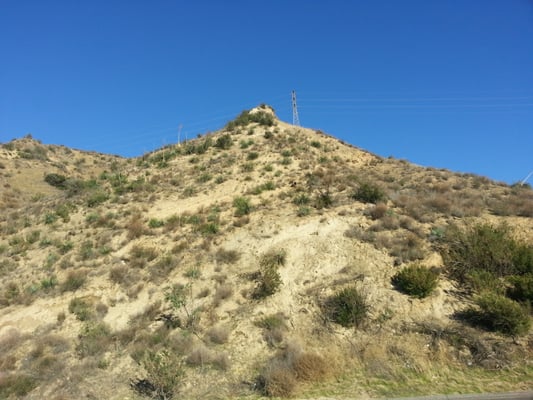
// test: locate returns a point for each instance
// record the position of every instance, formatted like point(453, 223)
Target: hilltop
point(264, 259)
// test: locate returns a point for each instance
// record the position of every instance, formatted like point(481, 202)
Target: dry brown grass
point(290, 367)
point(223, 292)
point(218, 334)
point(201, 356)
point(136, 227)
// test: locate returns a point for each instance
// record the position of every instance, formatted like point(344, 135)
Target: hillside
point(216, 269)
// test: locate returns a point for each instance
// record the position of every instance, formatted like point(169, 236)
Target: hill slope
point(210, 269)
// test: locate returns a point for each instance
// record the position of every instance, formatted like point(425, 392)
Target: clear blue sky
point(444, 83)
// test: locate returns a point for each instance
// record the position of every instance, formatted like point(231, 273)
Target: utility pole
point(179, 134)
point(295, 119)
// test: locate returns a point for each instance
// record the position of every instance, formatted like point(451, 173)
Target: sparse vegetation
point(262, 118)
point(183, 233)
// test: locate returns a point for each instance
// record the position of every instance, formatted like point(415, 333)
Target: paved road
point(528, 395)
point(485, 396)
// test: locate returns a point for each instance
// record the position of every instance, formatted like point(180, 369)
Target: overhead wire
point(153, 139)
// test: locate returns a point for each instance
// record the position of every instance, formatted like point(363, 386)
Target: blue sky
point(444, 83)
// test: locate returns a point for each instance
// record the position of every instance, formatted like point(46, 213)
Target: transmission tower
point(295, 119)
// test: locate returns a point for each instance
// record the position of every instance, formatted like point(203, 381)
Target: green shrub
point(246, 117)
point(164, 373)
point(17, 385)
point(63, 211)
point(269, 279)
point(48, 283)
point(81, 309)
point(253, 155)
point(242, 206)
point(33, 237)
point(268, 282)
point(498, 313)
point(484, 247)
point(369, 193)
point(523, 258)
point(276, 258)
point(87, 250)
point(348, 307)
point(209, 228)
point(224, 142)
point(484, 281)
point(301, 199)
point(56, 180)
point(50, 218)
point(521, 288)
point(95, 338)
point(96, 198)
point(155, 223)
point(323, 200)
point(416, 280)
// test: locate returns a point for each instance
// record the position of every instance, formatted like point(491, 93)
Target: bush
point(369, 193)
point(522, 288)
point(17, 385)
point(164, 370)
point(227, 256)
point(348, 307)
point(95, 338)
point(242, 205)
point(268, 281)
point(156, 223)
point(224, 142)
point(498, 313)
point(416, 280)
point(96, 198)
point(484, 247)
point(56, 180)
point(276, 257)
point(246, 117)
point(74, 280)
point(282, 374)
point(81, 309)
point(269, 278)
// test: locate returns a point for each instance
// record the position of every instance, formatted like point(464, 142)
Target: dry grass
point(201, 356)
point(291, 367)
point(218, 334)
point(223, 292)
point(74, 280)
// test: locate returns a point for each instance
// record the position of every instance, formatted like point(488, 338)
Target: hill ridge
point(214, 262)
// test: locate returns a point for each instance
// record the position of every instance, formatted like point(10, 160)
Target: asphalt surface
point(482, 396)
point(527, 395)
